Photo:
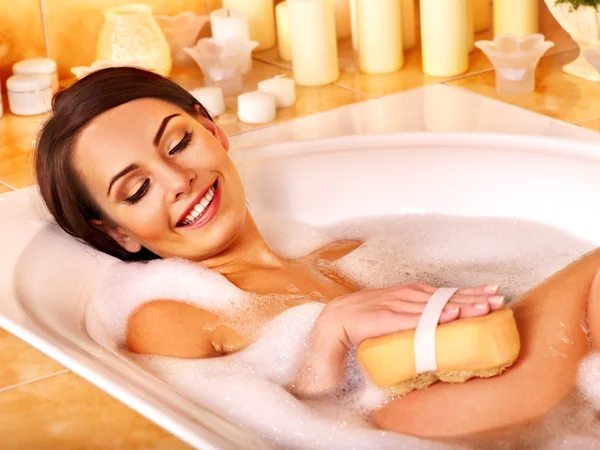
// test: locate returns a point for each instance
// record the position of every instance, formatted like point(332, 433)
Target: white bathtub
point(46, 277)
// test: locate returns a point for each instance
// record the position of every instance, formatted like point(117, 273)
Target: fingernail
point(481, 306)
point(496, 300)
point(491, 288)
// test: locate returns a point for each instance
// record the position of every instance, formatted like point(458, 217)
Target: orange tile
point(4, 188)
point(66, 412)
point(308, 100)
point(412, 75)
point(557, 94)
point(20, 362)
point(17, 138)
point(20, 33)
point(72, 26)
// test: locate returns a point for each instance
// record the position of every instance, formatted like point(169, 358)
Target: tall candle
point(283, 31)
point(518, 17)
point(261, 18)
point(342, 18)
point(444, 41)
point(379, 28)
point(314, 43)
point(482, 15)
point(409, 28)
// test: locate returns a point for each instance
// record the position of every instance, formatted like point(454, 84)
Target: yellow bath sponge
point(466, 348)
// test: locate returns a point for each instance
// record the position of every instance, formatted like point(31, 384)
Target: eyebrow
point(162, 127)
point(122, 173)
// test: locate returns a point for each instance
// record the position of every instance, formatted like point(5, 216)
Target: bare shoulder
point(335, 250)
point(173, 328)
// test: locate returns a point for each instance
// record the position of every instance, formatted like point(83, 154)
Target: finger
point(476, 310)
point(470, 299)
point(479, 290)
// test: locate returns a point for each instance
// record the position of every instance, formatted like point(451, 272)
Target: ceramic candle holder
point(515, 60)
point(592, 56)
point(222, 62)
point(82, 71)
point(181, 31)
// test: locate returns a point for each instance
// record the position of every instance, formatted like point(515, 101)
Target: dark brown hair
point(73, 108)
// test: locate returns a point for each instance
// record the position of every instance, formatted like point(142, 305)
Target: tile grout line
point(42, 378)
point(12, 188)
point(578, 122)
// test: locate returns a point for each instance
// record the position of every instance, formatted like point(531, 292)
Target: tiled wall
point(71, 28)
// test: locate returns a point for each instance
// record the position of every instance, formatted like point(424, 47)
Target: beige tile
point(20, 362)
point(73, 26)
point(66, 412)
point(308, 100)
point(20, 33)
point(412, 75)
point(557, 94)
point(592, 124)
point(17, 137)
point(4, 188)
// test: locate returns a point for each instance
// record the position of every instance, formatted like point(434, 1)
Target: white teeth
point(199, 207)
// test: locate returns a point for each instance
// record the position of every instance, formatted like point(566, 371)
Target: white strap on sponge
point(425, 359)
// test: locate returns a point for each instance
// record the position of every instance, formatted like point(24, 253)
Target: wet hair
point(73, 109)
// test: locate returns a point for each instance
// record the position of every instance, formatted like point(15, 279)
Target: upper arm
point(171, 328)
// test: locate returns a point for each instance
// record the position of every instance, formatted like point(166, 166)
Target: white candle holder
point(181, 31)
point(222, 62)
point(515, 60)
point(82, 71)
point(592, 56)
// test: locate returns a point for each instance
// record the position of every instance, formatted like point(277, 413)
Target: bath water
point(248, 387)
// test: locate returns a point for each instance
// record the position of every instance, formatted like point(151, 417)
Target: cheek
point(147, 221)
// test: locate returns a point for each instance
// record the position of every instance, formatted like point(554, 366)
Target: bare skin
point(166, 180)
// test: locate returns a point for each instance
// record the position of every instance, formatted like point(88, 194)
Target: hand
point(348, 320)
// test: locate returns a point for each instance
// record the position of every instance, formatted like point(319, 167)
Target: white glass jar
point(45, 66)
point(29, 95)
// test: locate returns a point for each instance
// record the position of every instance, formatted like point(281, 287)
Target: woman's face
point(164, 178)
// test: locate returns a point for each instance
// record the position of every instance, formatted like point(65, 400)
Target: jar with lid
point(29, 95)
point(45, 66)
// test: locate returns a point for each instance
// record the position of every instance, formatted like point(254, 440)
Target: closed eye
point(187, 137)
point(139, 193)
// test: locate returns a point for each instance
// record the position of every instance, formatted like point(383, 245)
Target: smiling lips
point(202, 209)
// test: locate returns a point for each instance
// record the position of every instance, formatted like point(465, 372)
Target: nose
point(177, 181)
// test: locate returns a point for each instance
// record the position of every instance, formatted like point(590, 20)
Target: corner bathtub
point(46, 276)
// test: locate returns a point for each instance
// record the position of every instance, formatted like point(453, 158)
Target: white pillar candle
point(444, 42)
point(283, 32)
point(227, 25)
point(314, 42)
point(211, 98)
point(379, 27)
point(342, 18)
point(482, 15)
point(283, 89)
point(261, 18)
point(518, 17)
point(256, 107)
point(409, 28)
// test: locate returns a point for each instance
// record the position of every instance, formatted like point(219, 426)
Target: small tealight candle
point(283, 89)
point(211, 98)
point(256, 107)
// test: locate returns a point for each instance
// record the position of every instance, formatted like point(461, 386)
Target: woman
point(133, 165)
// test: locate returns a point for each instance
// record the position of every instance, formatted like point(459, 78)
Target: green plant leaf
point(575, 4)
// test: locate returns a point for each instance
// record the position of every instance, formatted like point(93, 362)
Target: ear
point(213, 128)
point(119, 236)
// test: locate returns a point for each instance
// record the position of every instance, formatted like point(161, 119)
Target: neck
point(248, 249)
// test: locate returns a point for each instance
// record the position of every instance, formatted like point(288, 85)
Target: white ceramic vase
point(131, 35)
point(583, 25)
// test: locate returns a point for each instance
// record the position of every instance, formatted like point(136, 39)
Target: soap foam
point(248, 388)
